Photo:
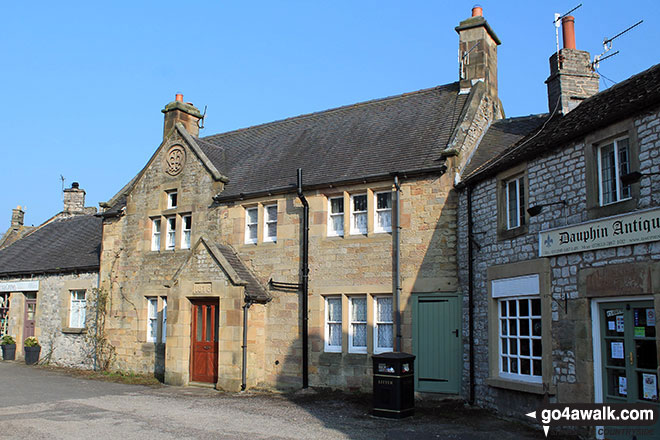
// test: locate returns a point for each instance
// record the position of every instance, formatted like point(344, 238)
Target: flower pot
point(8, 352)
point(32, 355)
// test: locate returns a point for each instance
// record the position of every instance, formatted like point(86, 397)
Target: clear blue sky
point(83, 83)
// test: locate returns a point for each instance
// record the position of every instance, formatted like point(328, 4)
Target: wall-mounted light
point(634, 177)
point(535, 210)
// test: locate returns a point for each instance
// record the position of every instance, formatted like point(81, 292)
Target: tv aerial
point(607, 46)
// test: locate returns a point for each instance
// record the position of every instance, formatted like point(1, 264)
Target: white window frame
point(77, 308)
point(152, 318)
point(351, 323)
point(377, 323)
point(163, 321)
point(156, 229)
point(519, 220)
point(170, 238)
point(506, 352)
point(186, 231)
point(332, 215)
point(269, 221)
point(353, 229)
point(378, 211)
point(619, 187)
point(248, 225)
point(327, 347)
point(172, 199)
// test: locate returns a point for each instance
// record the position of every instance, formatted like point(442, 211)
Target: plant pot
point(8, 352)
point(32, 355)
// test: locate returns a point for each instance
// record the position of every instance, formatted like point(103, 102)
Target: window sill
point(507, 234)
point(612, 209)
point(525, 387)
point(74, 331)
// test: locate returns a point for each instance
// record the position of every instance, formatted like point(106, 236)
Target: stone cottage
point(47, 283)
point(204, 250)
point(559, 229)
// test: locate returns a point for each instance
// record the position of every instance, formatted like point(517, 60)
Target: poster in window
point(640, 331)
point(650, 386)
point(619, 324)
point(611, 325)
point(650, 317)
point(623, 386)
point(617, 350)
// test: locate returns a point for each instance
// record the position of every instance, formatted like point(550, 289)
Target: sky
point(83, 83)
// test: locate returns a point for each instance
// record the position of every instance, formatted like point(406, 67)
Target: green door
point(436, 342)
point(629, 353)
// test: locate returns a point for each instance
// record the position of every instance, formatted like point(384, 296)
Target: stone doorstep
point(202, 385)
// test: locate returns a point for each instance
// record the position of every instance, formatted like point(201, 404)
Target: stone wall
point(60, 344)
point(557, 175)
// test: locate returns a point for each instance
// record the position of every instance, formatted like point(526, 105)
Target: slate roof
point(374, 138)
point(14, 234)
point(62, 245)
point(627, 98)
point(501, 135)
point(253, 289)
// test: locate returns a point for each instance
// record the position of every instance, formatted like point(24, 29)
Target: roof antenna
point(465, 59)
point(200, 123)
point(557, 22)
point(607, 46)
point(63, 179)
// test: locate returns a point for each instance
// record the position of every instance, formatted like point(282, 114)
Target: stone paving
point(36, 403)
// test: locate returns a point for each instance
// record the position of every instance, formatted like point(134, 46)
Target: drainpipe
point(96, 324)
point(305, 282)
point(397, 263)
point(470, 292)
point(246, 306)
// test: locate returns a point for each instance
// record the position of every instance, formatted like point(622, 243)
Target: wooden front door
point(28, 320)
point(204, 342)
point(437, 342)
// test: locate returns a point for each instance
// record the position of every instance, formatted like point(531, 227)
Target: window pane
point(524, 347)
point(359, 309)
point(385, 335)
point(209, 326)
point(337, 205)
point(360, 203)
point(505, 346)
point(384, 309)
point(385, 220)
point(252, 232)
point(338, 224)
point(505, 364)
point(525, 367)
point(536, 364)
point(252, 215)
point(272, 230)
point(334, 336)
point(360, 222)
point(359, 335)
point(536, 307)
point(624, 166)
point(199, 323)
point(271, 213)
point(523, 307)
point(384, 201)
point(513, 346)
point(503, 308)
point(536, 347)
point(334, 309)
point(608, 174)
point(513, 327)
point(512, 202)
point(521, 201)
point(513, 310)
point(536, 327)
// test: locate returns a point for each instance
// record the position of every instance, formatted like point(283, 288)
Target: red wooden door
point(28, 321)
point(204, 341)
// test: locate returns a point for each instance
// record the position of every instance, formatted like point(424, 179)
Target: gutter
point(51, 271)
point(470, 294)
point(246, 306)
point(364, 179)
point(397, 264)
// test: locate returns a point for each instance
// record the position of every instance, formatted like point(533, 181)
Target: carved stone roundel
point(175, 160)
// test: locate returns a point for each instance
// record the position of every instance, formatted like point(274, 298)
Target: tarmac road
point(36, 403)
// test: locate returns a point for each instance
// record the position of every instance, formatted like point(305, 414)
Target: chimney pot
point(179, 97)
point(75, 185)
point(568, 31)
point(477, 11)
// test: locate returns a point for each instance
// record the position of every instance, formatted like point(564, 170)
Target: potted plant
point(32, 350)
point(8, 344)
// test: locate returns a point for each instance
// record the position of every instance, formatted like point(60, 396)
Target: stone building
point(559, 229)
point(48, 280)
point(203, 250)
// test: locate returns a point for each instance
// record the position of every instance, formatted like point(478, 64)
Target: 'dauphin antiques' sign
point(620, 230)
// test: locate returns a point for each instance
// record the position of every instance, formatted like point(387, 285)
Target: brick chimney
point(184, 112)
point(572, 79)
point(17, 217)
point(74, 199)
point(477, 52)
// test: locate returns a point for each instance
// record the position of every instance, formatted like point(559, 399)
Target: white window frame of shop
point(523, 288)
point(330, 348)
point(170, 239)
point(333, 215)
point(251, 226)
point(152, 319)
point(381, 322)
point(380, 214)
point(354, 322)
point(172, 199)
point(270, 220)
point(186, 228)
point(155, 234)
point(77, 309)
point(518, 219)
point(355, 214)
point(621, 191)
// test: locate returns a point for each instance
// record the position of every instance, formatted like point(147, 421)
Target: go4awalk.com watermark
point(641, 416)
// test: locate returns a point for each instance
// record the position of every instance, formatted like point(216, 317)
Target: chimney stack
point(74, 199)
point(17, 217)
point(572, 79)
point(184, 112)
point(477, 53)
